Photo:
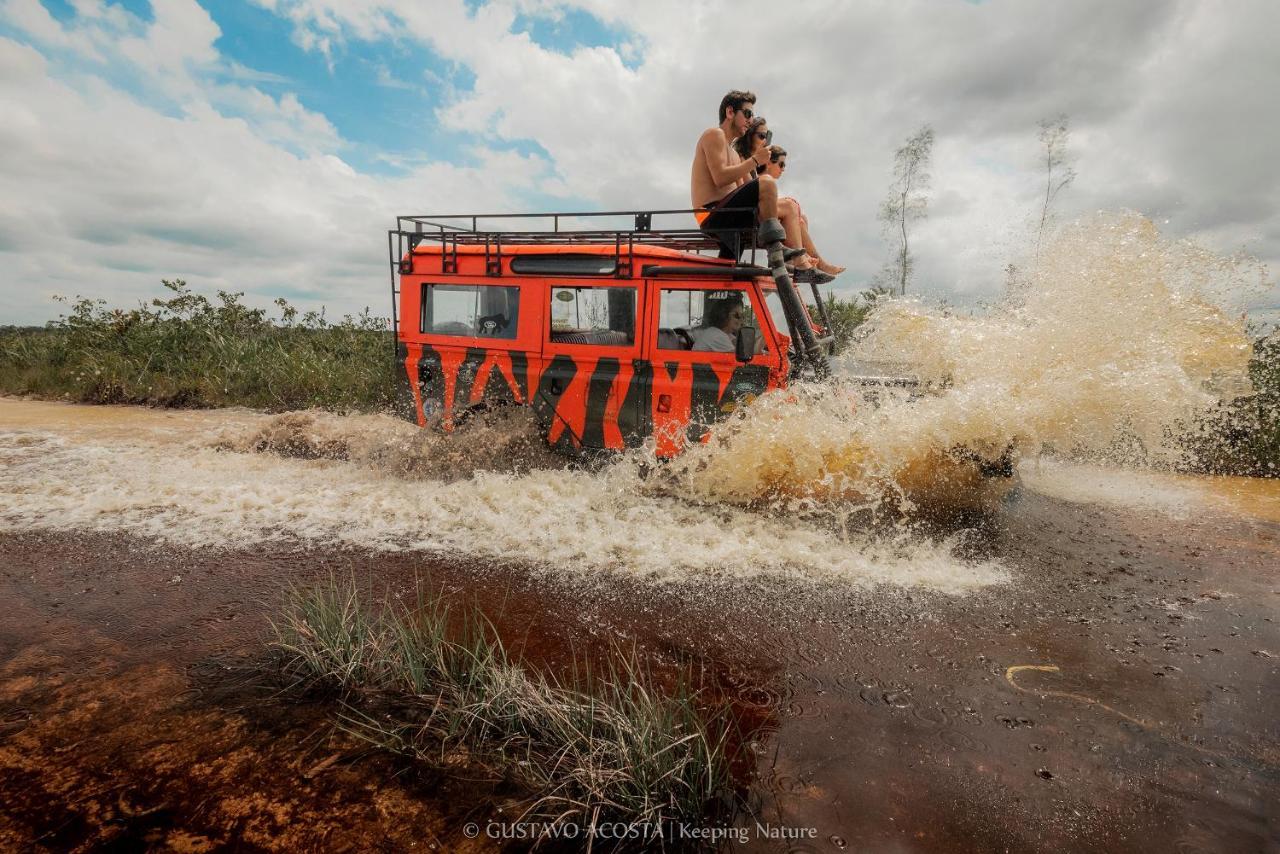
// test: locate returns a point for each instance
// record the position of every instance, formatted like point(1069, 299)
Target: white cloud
point(104, 195)
point(1169, 105)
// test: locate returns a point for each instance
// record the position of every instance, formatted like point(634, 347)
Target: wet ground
point(1117, 693)
point(1120, 694)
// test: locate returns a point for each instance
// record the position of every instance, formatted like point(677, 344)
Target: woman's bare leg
point(812, 250)
point(789, 214)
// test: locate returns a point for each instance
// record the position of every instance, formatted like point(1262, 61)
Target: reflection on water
point(1172, 495)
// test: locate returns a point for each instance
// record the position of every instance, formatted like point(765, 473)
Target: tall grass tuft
point(328, 635)
point(187, 350)
point(604, 745)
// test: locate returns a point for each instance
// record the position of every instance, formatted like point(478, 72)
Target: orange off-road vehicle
point(593, 320)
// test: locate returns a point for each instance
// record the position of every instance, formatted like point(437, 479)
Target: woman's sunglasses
point(767, 136)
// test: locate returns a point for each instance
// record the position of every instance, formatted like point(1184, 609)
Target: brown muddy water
point(1092, 667)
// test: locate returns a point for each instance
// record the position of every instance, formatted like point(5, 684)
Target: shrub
point(187, 350)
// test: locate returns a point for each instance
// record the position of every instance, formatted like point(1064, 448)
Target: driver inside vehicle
point(719, 332)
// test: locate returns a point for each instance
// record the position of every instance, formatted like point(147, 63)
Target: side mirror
point(746, 347)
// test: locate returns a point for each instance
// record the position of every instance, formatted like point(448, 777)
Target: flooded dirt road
point(1094, 667)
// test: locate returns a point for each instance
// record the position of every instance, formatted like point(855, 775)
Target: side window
point(702, 320)
point(484, 311)
point(600, 315)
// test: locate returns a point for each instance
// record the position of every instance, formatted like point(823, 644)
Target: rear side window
point(605, 316)
point(484, 311)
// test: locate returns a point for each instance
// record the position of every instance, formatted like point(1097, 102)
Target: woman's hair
point(776, 153)
point(718, 312)
point(742, 144)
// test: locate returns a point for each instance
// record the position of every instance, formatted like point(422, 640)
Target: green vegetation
point(1243, 437)
point(440, 686)
point(847, 315)
point(187, 351)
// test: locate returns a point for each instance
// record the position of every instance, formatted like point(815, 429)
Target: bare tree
point(1053, 136)
point(907, 201)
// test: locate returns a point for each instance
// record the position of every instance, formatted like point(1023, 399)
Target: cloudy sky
point(267, 145)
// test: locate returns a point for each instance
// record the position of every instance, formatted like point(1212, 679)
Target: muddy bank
point(1117, 695)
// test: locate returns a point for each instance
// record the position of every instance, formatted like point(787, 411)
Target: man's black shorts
point(746, 196)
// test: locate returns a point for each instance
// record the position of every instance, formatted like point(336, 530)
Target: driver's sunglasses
point(746, 111)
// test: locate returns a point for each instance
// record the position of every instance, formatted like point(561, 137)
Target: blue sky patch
point(573, 29)
point(381, 97)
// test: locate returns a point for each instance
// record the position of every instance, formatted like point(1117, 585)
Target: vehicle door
point(693, 388)
point(593, 391)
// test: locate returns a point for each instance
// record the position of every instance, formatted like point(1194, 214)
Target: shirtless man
point(722, 179)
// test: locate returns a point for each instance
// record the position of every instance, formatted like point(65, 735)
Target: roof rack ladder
point(493, 262)
point(448, 252)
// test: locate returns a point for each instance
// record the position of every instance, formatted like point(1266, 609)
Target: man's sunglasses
point(746, 111)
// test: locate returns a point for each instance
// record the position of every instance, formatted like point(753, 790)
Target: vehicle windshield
point(774, 303)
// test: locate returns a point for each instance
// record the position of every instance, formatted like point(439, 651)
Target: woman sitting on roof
point(793, 219)
point(777, 163)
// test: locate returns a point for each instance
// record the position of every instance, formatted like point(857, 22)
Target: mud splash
point(506, 440)
point(188, 488)
point(1112, 335)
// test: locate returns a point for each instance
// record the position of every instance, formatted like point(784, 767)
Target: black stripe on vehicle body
point(557, 375)
point(497, 388)
point(747, 381)
point(704, 401)
point(707, 400)
point(634, 419)
point(598, 388)
point(431, 383)
point(465, 382)
point(520, 373)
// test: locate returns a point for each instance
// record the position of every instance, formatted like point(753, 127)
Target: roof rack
point(586, 228)
point(589, 228)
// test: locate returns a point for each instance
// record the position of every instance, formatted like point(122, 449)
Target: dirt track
point(1118, 695)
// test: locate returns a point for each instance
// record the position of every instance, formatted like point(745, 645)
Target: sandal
point(813, 276)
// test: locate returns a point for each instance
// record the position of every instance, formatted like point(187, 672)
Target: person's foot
point(813, 276)
point(803, 262)
point(830, 269)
